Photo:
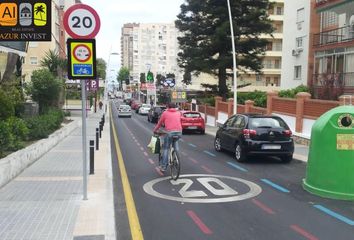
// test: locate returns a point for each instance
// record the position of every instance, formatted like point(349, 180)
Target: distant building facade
point(331, 61)
point(153, 47)
point(296, 37)
point(273, 55)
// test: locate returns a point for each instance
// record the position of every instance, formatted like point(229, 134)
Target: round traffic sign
point(82, 53)
point(81, 21)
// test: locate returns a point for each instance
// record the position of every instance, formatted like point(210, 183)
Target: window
point(33, 44)
point(299, 42)
point(33, 60)
point(297, 72)
point(277, 64)
point(279, 11)
point(271, 11)
point(300, 15)
point(240, 122)
point(329, 19)
point(269, 46)
point(230, 121)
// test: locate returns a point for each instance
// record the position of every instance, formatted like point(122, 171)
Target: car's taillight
point(288, 133)
point(247, 133)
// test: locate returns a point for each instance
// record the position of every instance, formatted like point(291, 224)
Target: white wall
point(291, 32)
point(290, 120)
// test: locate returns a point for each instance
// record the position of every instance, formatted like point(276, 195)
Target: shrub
point(44, 89)
point(207, 100)
point(291, 93)
point(5, 137)
point(7, 106)
point(259, 98)
point(19, 131)
point(43, 125)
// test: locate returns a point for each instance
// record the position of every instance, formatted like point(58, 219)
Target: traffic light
point(150, 77)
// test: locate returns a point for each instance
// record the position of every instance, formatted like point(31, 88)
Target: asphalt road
point(215, 196)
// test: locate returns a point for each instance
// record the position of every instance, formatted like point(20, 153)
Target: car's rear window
point(146, 105)
point(266, 123)
point(191, 115)
point(125, 107)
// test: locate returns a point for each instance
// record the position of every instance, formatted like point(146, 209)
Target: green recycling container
point(330, 167)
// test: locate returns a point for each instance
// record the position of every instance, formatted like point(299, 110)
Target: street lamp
point(233, 57)
point(108, 70)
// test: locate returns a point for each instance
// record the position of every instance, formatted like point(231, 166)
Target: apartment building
point(295, 53)
point(150, 46)
point(331, 59)
point(273, 56)
point(37, 50)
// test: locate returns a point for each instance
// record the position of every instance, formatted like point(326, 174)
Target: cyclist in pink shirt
point(171, 119)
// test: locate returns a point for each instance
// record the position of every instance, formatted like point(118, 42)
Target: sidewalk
point(46, 201)
point(300, 153)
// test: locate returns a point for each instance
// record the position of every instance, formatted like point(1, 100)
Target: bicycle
point(173, 158)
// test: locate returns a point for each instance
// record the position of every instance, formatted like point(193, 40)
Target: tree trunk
point(10, 66)
point(222, 83)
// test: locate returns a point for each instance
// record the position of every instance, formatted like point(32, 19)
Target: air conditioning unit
point(299, 25)
point(295, 52)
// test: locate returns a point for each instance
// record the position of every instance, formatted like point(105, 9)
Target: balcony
point(334, 36)
point(339, 80)
point(325, 3)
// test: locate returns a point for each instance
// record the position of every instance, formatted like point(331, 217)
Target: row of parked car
point(191, 121)
point(243, 134)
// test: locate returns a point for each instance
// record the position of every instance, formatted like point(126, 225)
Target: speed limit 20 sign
point(81, 21)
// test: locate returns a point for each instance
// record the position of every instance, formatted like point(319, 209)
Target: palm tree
point(39, 9)
point(56, 66)
point(53, 63)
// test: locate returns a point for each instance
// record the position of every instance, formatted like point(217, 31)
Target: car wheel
point(286, 159)
point(217, 144)
point(239, 154)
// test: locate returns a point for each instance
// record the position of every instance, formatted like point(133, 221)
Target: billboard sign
point(26, 21)
point(178, 96)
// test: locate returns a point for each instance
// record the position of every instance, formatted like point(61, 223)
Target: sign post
point(82, 23)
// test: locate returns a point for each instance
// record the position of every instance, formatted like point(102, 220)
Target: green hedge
point(13, 133)
point(42, 126)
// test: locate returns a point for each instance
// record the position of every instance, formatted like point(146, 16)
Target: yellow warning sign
point(82, 59)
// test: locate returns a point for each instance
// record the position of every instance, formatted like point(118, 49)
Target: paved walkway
point(46, 200)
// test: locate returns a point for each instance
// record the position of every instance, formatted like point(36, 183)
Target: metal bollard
point(97, 138)
point(100, 130)
point(92, 157)
point(102, 121)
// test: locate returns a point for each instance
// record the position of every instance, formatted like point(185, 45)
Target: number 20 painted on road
point(215, 190)
point(225, 190)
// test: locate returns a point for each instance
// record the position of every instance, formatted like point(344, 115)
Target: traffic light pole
point(139, 90)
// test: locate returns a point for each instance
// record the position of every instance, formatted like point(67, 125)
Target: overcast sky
point(114, 13)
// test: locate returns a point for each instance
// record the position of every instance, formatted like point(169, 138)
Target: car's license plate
point(271, 146)
point(192, 127)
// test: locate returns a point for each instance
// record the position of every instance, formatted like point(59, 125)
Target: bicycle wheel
point(175, 165)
